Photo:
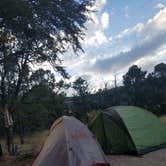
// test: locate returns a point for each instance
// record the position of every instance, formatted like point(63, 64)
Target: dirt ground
point(156, 158)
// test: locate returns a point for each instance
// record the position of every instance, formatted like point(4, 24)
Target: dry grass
point(163, 118)
point(33, 143)
point(27, 151)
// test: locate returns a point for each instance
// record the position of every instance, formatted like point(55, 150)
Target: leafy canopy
point(33, 32)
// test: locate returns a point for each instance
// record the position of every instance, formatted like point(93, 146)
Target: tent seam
point(127, 131)
point(67, 142)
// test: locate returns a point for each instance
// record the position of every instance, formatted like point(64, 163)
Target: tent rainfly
point(128, 129)
point(70, 143)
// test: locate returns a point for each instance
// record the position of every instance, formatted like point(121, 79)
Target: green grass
point(27, 151)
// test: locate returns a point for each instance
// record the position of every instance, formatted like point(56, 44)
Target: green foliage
point(43, 77)
point(40, 20)
point(80, 86)
point(40, 107)
point(139, 89)
point(34, 32)
point(134, 81)
point(81, 101)
point(156, 89)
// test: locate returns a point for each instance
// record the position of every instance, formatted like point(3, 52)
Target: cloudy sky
point(123, 33)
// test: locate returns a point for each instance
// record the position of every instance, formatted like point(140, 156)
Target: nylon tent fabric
point(119, 142)
point(129, 129)
point(147, 131)
point(70, 143)
point(111, 134)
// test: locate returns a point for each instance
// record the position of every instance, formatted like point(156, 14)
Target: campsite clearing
point(35, 140)
point(156, 158)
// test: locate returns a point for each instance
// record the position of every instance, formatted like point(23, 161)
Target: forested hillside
point(139, 88)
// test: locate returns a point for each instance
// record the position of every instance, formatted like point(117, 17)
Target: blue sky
point(123, 33)
point(127, 13)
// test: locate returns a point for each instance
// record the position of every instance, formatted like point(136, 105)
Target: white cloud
point(159, 21)
point(95, 20)
point(136, 29)
point(150, 49)
point(147, 63)
point(98, 5)
point(101, 3)
point(95, 35)
point(153, 26)
point(97, 39)
point(152, 39)
point(160, 6)
point(105, 20)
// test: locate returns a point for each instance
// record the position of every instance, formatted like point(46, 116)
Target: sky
point(122, 33)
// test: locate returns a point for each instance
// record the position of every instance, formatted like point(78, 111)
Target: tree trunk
point(10, 144)
point(21, 139)
point(21, 134)
point(20, 128)
point(1, 152)
point(9, 131)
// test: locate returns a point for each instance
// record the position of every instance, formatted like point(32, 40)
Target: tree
point(41, 104)
point(148, 92)
point(43, 90)
point(33, 32)
point(80, 86)
point(40, 107)
point(160, 70)
point(133, 81)
point(81, 99)
point(156, 89)
point(61, 85)
point(42, 77)
point(47, 78)
point(1, 154)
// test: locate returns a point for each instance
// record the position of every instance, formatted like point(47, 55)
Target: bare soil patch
point(156, 158)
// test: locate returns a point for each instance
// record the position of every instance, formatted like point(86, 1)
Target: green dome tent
point(128, 129)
